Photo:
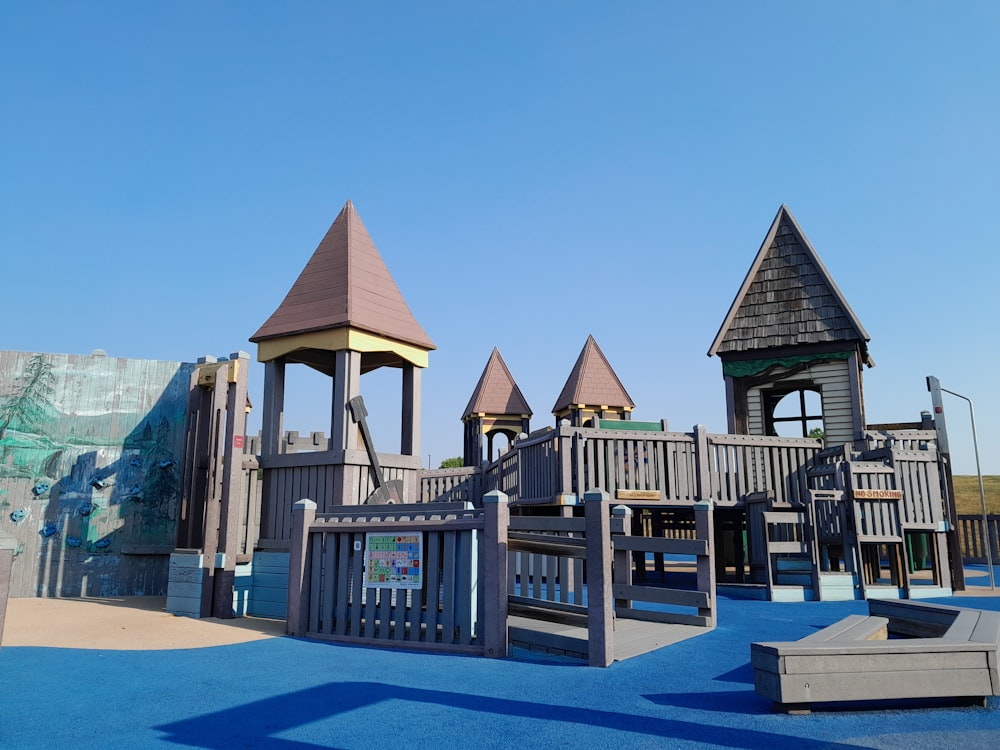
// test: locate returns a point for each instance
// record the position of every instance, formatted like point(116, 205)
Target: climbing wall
point(89, 471)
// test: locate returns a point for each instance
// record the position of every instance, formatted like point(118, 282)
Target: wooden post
point(273, 410)
point(564, 458)
point(272, 426)
point(232, 484)
point(346, 385)
point(409, 439)
point(303, 514)
point(600, 608)
point(622, 570)
point(705, 529)
point(702, 464)
point(493, 554)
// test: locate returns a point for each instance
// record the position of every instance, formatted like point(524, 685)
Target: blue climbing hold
point(135, 461)
point(49, 529)
point(98, 483)
point(18, 515)
point(40, 488)
point(102, 543)
point(86, 509)
point(72, 541)
point(166, 463)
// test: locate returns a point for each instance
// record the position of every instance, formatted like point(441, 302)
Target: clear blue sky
point(531, 172)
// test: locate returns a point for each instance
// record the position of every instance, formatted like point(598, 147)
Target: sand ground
point(129, 623)
point(141, 623)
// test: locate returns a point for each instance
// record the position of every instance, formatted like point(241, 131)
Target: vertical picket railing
point(972, 538)
point(462, 485)
point(742, 465)
point(329, 597)
point(528, 473)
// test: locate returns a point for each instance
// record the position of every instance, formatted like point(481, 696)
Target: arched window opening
point(794, 412)
point(499, 443)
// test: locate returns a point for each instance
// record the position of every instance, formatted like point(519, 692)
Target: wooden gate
point(439, 608)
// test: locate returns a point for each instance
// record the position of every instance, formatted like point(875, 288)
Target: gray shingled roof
point(788, 298)
point(592, 382)
point(345, 284)
point(497, 393)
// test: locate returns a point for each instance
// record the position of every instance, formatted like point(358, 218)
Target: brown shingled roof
point(496, 392)
point(788, 298)
point(345, 284)
point(592, 382)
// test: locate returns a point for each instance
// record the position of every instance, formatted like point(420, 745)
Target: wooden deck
point(632, 637)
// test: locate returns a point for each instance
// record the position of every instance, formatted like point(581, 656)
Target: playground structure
point(862, 512)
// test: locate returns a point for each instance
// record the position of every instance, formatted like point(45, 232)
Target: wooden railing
point(479, 564)
point(653, 466)
point(971, 537)
point(741, 465)
point(526, 473)
point(330, 597)
point(452, 485)
point(323, 474)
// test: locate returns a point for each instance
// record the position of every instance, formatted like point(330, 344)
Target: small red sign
point(237, 441)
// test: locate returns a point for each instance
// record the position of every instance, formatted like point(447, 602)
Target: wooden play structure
point(598, 518)
point(562, 537)
point(572, 530)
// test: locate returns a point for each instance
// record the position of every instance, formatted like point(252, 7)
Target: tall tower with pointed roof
point(344, 316)
point(792, 349)
point(497, 407)
point(592, 390)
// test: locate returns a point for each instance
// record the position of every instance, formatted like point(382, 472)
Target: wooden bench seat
point(955, 656)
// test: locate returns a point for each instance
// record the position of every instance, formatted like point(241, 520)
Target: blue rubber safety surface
point(294, 694)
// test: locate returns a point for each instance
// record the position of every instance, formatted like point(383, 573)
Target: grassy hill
point(967, 500)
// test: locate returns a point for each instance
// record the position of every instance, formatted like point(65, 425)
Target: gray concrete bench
point(937, 652)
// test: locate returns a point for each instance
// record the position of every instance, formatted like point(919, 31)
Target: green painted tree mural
point(162, 486)
point(32, 393)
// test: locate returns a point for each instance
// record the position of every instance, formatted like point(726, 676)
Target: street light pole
point(979, 474)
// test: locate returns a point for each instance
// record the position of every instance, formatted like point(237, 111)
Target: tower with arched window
point(792, 349)
point(592, 390)
point(496, 408)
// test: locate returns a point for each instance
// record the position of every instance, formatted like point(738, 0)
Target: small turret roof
point(592, 382)
point(496, 392)
point(788, 298)
point(345, 284)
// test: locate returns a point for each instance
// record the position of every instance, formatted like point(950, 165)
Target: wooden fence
point(330, 597)
point(304, 467)
point(652, 466)
point(478, 565)
point(464, 485)
point(971, 537)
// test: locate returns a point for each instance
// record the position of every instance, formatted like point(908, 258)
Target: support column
point(472, 453)
point(346, 385)
point(273, 415)
point(409, 440)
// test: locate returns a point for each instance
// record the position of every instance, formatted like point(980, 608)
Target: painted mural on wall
point(90, 474)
